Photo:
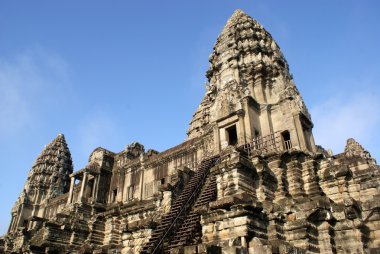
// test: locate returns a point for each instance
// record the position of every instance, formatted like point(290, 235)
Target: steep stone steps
point(97, 236)
point(180, 208)
point(190, 230)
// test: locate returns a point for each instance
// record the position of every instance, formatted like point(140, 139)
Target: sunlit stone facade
point(248, 179)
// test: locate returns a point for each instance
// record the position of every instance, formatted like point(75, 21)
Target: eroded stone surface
point(249, 178)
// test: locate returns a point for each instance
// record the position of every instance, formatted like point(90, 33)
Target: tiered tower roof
point(354, 149)
point(242, 35)
point(245, 57)
point(51, 170)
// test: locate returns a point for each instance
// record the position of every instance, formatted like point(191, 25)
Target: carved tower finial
point(247, 65)
point(354, 149)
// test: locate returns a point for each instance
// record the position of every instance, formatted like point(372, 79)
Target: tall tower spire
point(48, 177)
point(51, 170)
point(249, 77)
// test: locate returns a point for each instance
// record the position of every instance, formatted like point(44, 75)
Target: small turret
point(48, 178)
point(354, 149)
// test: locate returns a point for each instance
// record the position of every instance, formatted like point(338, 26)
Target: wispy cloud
point(346, 115)
point(29, 82)
point(98, 128)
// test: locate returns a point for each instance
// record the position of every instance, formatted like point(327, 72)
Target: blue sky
point(110, 73)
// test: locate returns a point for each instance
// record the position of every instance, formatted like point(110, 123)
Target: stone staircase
point(84, 209)
point(97, 236)
point(51, 233)
point(190, 230)
point(180, 209)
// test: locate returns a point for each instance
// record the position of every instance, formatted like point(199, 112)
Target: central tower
point(250, 92)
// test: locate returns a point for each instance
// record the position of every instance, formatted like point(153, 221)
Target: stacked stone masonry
point(248, 179)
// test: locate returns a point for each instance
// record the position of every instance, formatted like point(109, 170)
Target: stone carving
point(292, 93)
point(249, 178)
point(353, 148)
point(211, 91)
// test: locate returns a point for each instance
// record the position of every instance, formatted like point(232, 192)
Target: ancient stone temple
point(248, 179)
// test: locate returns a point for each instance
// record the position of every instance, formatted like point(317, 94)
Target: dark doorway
point(114, 195)
point(286, 140)
point(232, 135)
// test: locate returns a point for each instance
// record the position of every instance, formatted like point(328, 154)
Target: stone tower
point(250, 92)
point(248, 179)
point(48, 178)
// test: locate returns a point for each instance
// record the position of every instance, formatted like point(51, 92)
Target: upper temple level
point(251, 102)
point(250, 92)
point(248, 179)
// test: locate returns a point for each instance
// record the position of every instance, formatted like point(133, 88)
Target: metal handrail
point(187, 204)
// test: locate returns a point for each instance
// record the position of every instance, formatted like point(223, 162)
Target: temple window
point(114, 195)
point(286, 140)
point(232, 135)
point(25, 224)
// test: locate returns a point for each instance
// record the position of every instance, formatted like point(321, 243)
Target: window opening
point(286, 140)
point(25, 223)
point(232, 135)
point(114, 195)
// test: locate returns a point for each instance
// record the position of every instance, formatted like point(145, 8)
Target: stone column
point(83, 186)
point(267, 180)
point(217, 139)
point(247, 119)
point(300, 133)
point(294, 175)
point(265, 120)
point(243, 241)
point(120, 186)
point(325, 238)
point(296, 232)
point(97, 180)
point(282, 186)
point(71, 192)
point(258, 85)
point(242, 139)
point(94, 189)
point(142, 182)
point(310, 179)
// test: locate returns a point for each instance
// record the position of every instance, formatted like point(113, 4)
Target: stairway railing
point(187, 205)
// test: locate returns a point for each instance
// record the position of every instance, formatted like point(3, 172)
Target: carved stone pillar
point(83, 186)
point(242, 130)
point(325, 238)
point(348, 238)
point(296, 232)
point(275, 229)
point(267, 180)
point(282, 185)
point(294, 175)
point(71, 192)
point(310, 179)
point(247, 119)
point(93, 192)
point(258, 85)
